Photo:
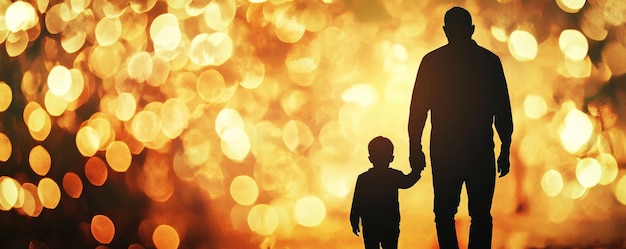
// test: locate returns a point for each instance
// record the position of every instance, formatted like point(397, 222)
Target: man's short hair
point(457, 17)
point(380, 146)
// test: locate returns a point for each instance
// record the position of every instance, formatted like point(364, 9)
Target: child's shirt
point(375, 199)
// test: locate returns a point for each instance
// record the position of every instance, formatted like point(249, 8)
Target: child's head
point(381, 151)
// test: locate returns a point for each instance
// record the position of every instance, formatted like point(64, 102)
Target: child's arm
point(407, 181)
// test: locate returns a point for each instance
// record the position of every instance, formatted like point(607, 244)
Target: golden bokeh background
point(244, 123)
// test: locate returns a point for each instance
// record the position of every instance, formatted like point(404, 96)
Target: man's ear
point(391, 159)
point(473, 28)
point(370, 158)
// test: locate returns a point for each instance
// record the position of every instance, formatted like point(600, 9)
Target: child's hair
point(380, 146)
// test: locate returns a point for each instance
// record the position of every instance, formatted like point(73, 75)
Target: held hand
point(417, 159)
point(504, 164)
point(356, 231)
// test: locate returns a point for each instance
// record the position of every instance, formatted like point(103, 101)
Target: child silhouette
point(375, 201)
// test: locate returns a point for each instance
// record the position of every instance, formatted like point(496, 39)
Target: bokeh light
point(244, 190)
point(96, 171)
point(165, 237)
point(118, 156)
point(620, 190)
point(535, 106)
point(6, 148)
point(244, 124)
point(49, 193)
point(523, 45)
point(573, 44)
point(552, 182)
point(6, 96)
point(9, 189)
point(39, 160)
point(72, 184)
point(102, 229)
point(310, 211)
point(575, 131)
point(588, 172)
point(263, 219)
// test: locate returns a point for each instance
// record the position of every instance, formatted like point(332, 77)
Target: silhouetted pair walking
point(464, 88)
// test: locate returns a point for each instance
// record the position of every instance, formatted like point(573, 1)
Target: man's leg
point(390, 239)
point(447, 188)
point(371, 238)
point(480, 187)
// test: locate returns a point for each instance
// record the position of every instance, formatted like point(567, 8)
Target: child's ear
point(391, 159)
point(370, 158)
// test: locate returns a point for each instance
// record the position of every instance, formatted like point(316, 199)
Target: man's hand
point(504, 164)
point(417, 159)
point(356, 231)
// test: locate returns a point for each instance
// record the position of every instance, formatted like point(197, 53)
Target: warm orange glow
point(165, 32)
point(72, 184)
point(210, 85)
point(108, 31)
point(250, 119)
point(535, 106)
point(573, 44)
point(158, 183)
point(118, 156)
point(126, 106)
point(552, 182)
point(361, 94)
point(244, 190)
point(146, 125)
point(588, 172)
point(620, 190)
point(32, 205)
point(523, 45)
point(263, 219)
point(165, 237)
point(102, 126)
point(59, 80)
point(39, 160)
point(609, 168)
point(96, 171)
point(227, 118)
point(87, 141)
point(235, 143)
point(210, 49)
point(6, 96)
point(9, 190)
point(297, 135)
point(49, 193)
point(174, 118)
point(5, 147)
point(102, 229)
point(575, 130)
point(20, 16)
point(310, 211)
point(55, 105)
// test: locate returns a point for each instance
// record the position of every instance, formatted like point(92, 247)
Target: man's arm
point(355, 213)
point(503, 120)
point(420, 104)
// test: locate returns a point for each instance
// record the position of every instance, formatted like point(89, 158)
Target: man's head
point(381, 151)
point(458, 24)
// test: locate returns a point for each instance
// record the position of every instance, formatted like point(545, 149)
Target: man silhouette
point(375, 202)
point(463, 86)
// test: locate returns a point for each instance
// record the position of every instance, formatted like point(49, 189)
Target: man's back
point(463, 85)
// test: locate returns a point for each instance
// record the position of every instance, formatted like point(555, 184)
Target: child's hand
point(356, 231)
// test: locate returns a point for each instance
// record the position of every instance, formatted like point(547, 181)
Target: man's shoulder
point(487, 53)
